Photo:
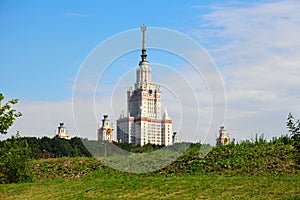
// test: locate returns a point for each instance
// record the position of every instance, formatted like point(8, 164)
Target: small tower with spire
point(106, 131)
point(62, 132)
point(223, 138)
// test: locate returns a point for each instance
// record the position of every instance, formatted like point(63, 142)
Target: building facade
point(144, 123)
point(62, 132)
point(223, 138)
point(106, 130)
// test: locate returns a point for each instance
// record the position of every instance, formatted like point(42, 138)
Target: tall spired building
point(144, 122)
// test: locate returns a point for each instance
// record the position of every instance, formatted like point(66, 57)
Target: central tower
point(143, 122)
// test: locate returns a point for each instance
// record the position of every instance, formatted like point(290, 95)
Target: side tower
point(105, 132)
point(223, 138)
point(166, 136)
point(62, 132)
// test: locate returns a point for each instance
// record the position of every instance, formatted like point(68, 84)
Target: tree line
point(46, 147)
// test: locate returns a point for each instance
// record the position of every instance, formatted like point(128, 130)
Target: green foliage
point(7, 115)
point(53, 147)
point(14, 156)
point(137, 148)
point(284, 139)
point(64, 168)
point(294, 129)
point(105, 148)
point(258, 157)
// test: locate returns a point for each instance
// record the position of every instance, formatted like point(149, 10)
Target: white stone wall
point(123, 130)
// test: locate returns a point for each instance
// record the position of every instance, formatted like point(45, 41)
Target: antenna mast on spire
point(143, 29)
point(144, 55)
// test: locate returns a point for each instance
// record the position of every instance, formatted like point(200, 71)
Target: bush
point(14, 156)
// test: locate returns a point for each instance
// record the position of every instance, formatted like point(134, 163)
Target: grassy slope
point(243, 159)
point(273, 167)
point(157, 187)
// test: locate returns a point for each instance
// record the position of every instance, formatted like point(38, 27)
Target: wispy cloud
point(257, 49)
point(42, 118)
point(199, 6)
point(75, 14)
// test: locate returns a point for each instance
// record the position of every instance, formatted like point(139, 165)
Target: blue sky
point(44, 42)
point(254, 44)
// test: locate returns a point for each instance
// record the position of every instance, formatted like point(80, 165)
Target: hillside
point(248, 170)
point(261, 158)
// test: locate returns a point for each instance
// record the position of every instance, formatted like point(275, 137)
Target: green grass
point(244, 171)
point(126, 186)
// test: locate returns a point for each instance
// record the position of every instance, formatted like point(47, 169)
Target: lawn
point(126, 186)
point(238, 171)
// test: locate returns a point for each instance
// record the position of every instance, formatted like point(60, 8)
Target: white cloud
point(42, 119)
point(257, 50)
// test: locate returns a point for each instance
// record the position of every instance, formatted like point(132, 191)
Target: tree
point(7, 115)
point(294, 129)
point(14, 161)
point(14, 154)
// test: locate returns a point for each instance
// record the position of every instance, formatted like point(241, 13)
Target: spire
point(143, 72)
point(144, 55)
